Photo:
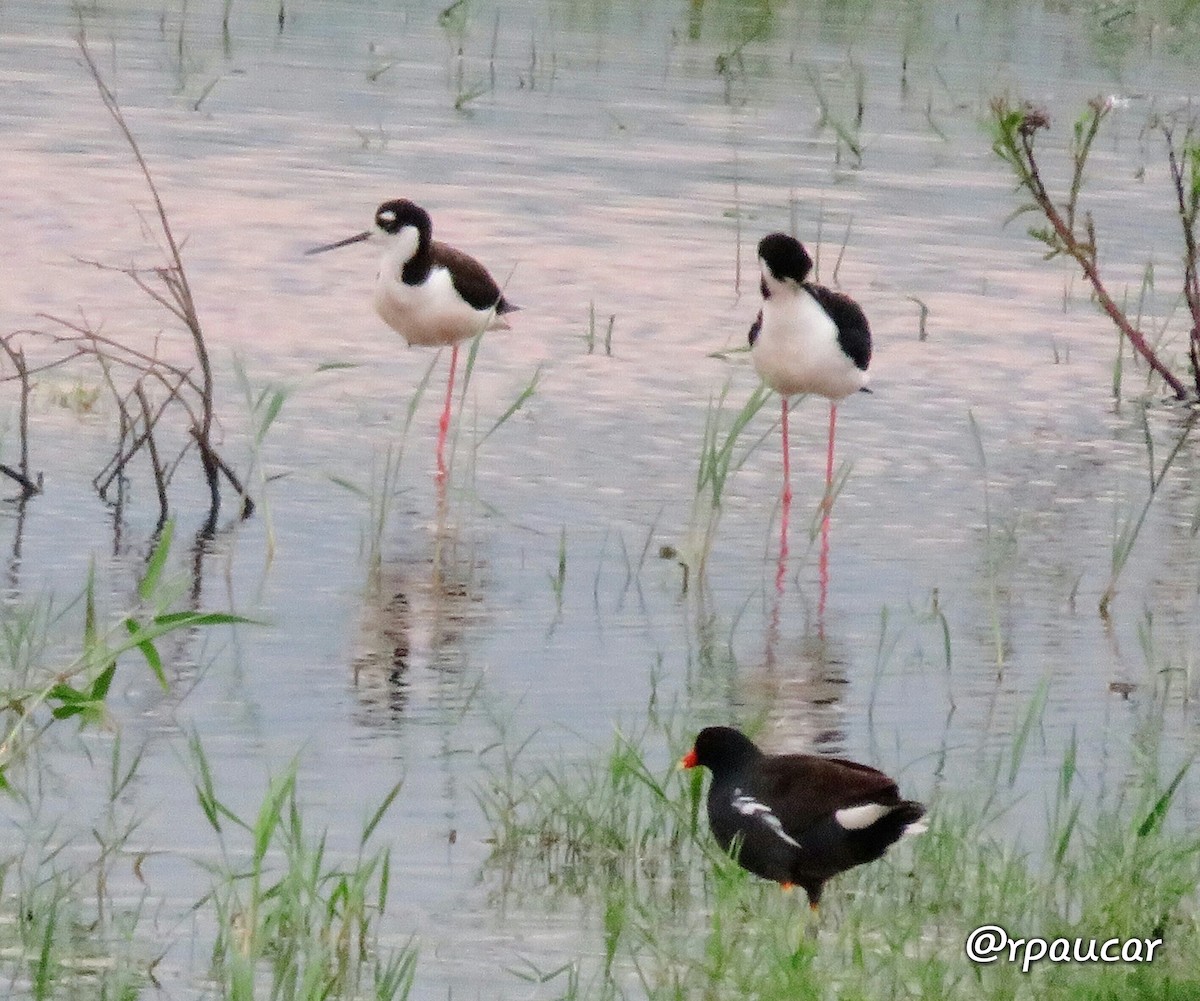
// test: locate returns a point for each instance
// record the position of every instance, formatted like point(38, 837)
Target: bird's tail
point(910, 814)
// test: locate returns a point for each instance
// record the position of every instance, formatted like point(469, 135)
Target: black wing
point(756, 328)
point(803, 789)
point(470, 278)
point(854, 335)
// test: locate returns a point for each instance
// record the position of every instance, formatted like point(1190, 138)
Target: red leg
point(823, 576)
point(787, 467)
point(787, 502)
point(828, 502)
point(444, 423)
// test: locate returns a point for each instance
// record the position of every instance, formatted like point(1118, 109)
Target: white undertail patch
point(856, 818)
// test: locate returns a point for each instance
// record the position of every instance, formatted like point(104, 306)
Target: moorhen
point(796, 818)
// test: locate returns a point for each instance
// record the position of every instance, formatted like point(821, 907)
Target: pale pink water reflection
point(623, 182)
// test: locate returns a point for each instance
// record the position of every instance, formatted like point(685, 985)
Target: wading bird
point(431, 294)
point(806, 339)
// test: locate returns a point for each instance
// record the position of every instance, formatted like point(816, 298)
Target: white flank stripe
point(748, 806)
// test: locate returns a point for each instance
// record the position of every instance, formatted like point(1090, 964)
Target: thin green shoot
point(719, 458)
point(922, 317)
point(384, 483)
point(558, 580)
point(264, 407)
point(847, 135)
point(589, 337)
point(837, 265)
point(1032, 717)
point(523, 397)
point(989, 544)
point(468, 372)
point(825, 504)
point(1126, 534)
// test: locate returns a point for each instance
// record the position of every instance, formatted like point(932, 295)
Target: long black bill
point(356, 238)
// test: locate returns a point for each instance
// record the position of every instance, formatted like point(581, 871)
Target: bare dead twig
point(21, 475)
point(1184, 162)
point(160, 484)
point(167, 286)
point(115, 466)
point(229, 474)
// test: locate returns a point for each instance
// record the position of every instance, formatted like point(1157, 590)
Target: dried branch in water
point(1069, 232)
point(166, 285)
point(1184, 161)
point(21, 476)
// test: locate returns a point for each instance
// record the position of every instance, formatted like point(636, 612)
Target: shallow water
point(606, 164)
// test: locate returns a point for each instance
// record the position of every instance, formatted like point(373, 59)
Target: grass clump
point(296, 922)
point(581, 828)
point(719, 457)
point(675, 918)
point(37, 696)
point(289, 918)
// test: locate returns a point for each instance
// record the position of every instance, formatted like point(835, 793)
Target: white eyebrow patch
point(855, 818)
point(748, 806)
point(387, 216)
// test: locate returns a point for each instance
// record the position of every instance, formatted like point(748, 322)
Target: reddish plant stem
point(1087, 262)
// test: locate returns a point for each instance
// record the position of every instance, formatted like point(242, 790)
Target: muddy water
point(621, 161)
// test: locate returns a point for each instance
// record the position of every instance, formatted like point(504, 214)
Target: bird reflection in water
point(800, 684)
point(417, 612)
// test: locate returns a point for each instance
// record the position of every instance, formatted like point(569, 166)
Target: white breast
point(797, 349)
point(432, 313)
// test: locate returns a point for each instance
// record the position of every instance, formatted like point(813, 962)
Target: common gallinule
point(796, 818)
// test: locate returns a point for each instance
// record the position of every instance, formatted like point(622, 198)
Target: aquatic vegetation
point(293, 918)
point(674, 917)
point(157, 387)
point(1126, 533)
point(523, 397)
point(848, 131)
point(610, 183)
point(296, 921)
point(1071, 230)
point(718, 459)
point(40, 695)
point(589, 338)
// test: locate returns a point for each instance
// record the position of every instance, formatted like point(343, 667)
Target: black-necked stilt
point(431, 294)
point(806, 339)
point(798, 819)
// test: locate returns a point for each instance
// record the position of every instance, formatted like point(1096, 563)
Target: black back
point(854, 335)
point(470, 278)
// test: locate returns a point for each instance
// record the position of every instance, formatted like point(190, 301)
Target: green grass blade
point(158, 559)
